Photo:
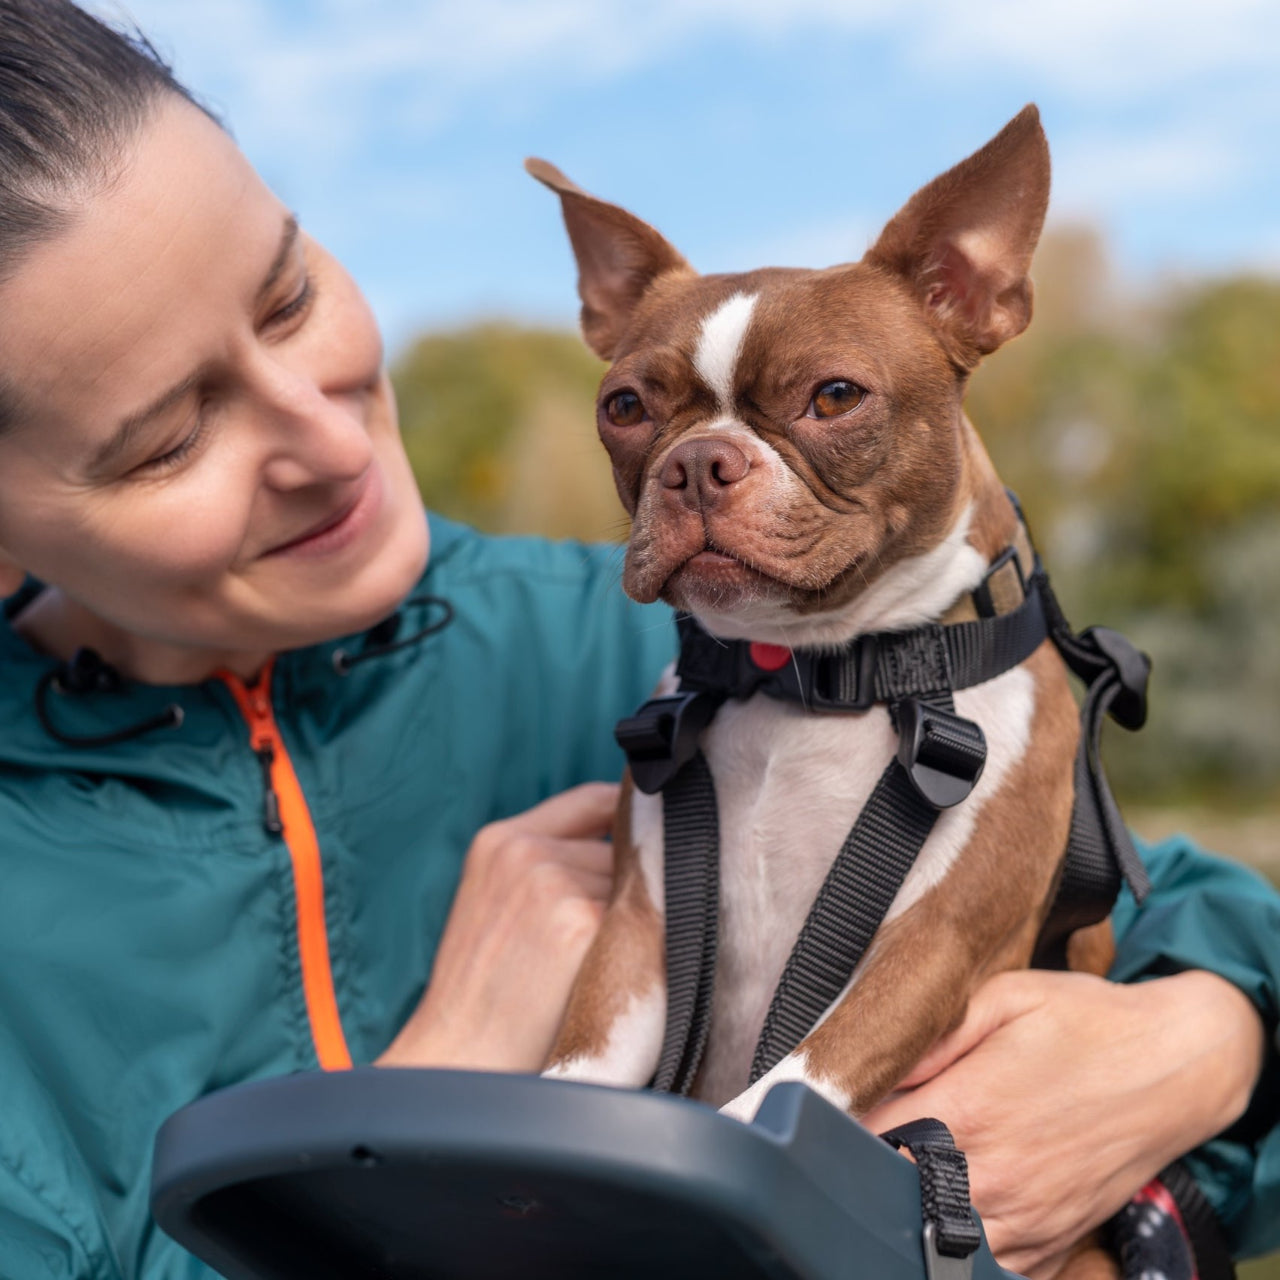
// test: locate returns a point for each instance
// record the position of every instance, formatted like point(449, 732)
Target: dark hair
point(73, 91)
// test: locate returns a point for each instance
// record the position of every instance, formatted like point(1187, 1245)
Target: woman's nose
point(314, 436)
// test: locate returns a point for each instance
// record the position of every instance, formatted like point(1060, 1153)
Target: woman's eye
point(177, 454)
point(624, 409)
point(180, 452)
point(296, 305)
point(834, 398)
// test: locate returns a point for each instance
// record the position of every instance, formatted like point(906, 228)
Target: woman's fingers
point(1064, 1080)
point(999, 1001)
point(581, 812)
point(533, 892)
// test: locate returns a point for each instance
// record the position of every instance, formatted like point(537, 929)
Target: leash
point(939, 760)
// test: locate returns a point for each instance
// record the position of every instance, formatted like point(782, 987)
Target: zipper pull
point(270, 801)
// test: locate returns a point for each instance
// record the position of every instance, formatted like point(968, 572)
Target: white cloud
point(1096, 170)
point(1117, 49)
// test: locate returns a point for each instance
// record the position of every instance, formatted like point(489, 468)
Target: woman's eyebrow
point(122, 437)
point(288, 239)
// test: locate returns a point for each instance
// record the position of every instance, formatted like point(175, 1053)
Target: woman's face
point(205, 454)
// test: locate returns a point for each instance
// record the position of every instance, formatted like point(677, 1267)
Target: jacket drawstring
point(380, 640)
point(88, 673)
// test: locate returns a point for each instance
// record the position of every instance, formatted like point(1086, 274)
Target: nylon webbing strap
point(879, 667)
point(944, 1185)
point(1099, 848)
point(850, 906)
point(854, 899)
point(691, 831)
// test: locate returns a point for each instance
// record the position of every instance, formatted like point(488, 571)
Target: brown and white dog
point(792, 448)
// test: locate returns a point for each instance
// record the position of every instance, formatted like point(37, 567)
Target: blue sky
point(751, 132)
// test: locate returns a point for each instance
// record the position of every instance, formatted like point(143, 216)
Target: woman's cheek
point(193, 530)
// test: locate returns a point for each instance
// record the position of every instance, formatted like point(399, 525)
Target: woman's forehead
point(149, 280)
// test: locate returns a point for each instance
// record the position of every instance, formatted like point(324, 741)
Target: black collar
point(883, 666)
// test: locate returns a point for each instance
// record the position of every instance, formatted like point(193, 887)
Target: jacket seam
point(100, 1265)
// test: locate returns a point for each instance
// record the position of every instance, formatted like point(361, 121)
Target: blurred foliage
point(1143, 439)
point(499, 424)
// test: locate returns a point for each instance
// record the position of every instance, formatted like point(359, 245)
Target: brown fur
point(981, 920)
point(623, 959)
point(945, 284)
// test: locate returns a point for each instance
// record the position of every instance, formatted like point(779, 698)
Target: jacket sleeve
point(50, 1220)
point(546, 634)
point(1207, 913)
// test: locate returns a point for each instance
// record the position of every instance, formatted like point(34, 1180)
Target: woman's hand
point(1069, 1093)
point(534, 889)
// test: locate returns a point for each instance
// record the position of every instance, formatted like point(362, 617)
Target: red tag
point(769, 657)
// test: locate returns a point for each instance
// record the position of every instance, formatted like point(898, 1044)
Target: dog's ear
point(964, 242)
point(619, 257)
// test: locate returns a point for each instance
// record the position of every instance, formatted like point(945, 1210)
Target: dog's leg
point(1090, 1261)
point(612, 1030)
point(912, 988)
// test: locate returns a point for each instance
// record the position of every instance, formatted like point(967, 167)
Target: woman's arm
point(533, 891)
point(1064, 1081)
point(1069, 1093)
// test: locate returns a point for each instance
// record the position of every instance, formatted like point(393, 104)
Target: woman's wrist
point(1213, 1041)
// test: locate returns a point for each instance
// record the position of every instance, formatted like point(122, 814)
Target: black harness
point(939, 760)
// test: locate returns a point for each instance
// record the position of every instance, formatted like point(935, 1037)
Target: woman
point(249, 740)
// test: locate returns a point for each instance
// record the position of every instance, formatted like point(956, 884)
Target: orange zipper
point(285, 813)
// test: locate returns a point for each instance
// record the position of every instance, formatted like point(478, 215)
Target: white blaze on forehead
point(719, 344)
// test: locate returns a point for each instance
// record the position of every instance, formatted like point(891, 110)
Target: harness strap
point(1099, 850)
point(940, 759)
point(855, 897)
point(950, 1229)
point(691, 830)
point(878, 667)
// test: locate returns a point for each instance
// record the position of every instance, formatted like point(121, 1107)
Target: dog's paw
point(745, 1105)
point(794, 1067)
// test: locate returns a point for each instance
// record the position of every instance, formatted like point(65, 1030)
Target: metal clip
point(941, 1266)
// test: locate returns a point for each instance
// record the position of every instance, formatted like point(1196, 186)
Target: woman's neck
point(58, 626)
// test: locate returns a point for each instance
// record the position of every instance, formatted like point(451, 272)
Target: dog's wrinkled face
point(781, 438)
point(775, 436)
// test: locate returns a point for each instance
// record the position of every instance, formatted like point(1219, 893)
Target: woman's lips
point(341, 527)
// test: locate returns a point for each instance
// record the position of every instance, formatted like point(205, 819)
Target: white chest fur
point(789, 785)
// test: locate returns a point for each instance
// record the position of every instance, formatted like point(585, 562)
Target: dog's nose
point(703, 469)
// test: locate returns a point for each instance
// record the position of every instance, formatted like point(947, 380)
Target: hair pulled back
point(73, 92)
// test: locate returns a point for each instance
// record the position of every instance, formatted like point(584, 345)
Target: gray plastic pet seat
point(452, 1175)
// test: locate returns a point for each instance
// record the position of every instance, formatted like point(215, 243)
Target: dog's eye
point(834, 398)
point(624, 409)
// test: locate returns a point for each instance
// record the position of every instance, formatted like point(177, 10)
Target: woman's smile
point(213, 471)
point(344, 526)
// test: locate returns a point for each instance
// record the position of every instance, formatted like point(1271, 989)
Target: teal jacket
point(158, 941)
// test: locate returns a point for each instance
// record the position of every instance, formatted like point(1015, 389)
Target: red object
point(770, 657)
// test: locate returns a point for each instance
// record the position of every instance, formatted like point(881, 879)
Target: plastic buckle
point(943, 754)
point(1132, 668)
point(823, 668)
point(941, 1266)
point(662, 737)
